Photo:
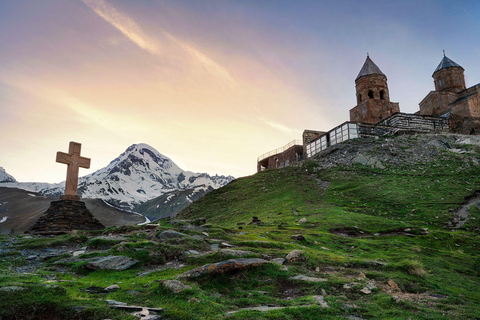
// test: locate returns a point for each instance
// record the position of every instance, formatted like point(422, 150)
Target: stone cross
point(74, 162)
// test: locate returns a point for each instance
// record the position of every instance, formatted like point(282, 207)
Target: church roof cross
point(74, 162)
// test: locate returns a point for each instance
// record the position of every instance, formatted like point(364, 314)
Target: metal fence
point(280, 150)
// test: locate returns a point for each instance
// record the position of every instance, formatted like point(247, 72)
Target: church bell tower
point(373, 98)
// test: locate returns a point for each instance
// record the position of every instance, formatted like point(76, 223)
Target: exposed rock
point(226, 245)
point(303, 220)
point(393, 285)
point(111, 288)
point(118, 263)
point(171, 234)
point(308, 279)
point(257, 221)
point(223, 267)
point(321, 301)
point(279, 261)
point(235, 253)
point(175, 285)
point(295, 255)
point(366, 290)
point(349, 285)
point(115, 303)
point(298, 237)
point(11, 289)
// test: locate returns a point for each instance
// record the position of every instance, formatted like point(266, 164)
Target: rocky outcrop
point(222, 267)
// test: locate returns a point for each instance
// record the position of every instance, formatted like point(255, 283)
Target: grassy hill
point(390, 226)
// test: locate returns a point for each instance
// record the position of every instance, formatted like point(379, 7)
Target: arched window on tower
point(359, 98)
point(370, 94)
point(382, 94)
point(440, 82)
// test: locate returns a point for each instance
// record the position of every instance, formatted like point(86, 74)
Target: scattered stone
point(294, 211)
point(118, 263)
point(303, 220)
point(222, 267)
point(133, 292)
point(196, 300)
point(77, 253)
point(32, 257)
point(439, 296)
point(115, 303)
point(298, 237)
point(325, 248)
point(323, 292)
point(321, 301)
point(257, 221)
point(377, 263)
point(279, 261)
point(11, 289)
point(175, 285)
point(226, 245)
point(308, 279)
point(362, 275)
point(354, 318)
point(95, 290)
point(171, 234)
point(206, 234)
point(282, 225)
point(260, 308)
point(393, 285)
point(366, 290)
point(295, 255)
point(235, 253)
point(349, 285)
point(111, 288)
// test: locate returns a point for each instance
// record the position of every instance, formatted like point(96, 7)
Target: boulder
point(295, 255)
point(222, 267)
point(307, 279)
point(118, 263)
point(298, 237)
point(171, 234)
point(320, 301)
point(175, 285)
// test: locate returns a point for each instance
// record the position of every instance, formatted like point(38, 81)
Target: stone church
point(450, 108)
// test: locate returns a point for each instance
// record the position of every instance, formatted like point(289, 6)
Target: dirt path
point(463, 214)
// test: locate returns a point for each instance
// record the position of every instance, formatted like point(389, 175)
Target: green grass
point(376, 205)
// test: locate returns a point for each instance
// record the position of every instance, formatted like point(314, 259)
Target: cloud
point(124, 24)
point(279, 126)
point(134, 33)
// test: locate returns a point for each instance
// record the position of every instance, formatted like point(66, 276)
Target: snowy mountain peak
point(137, 175)
point(5, 177)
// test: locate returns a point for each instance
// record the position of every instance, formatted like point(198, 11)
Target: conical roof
point(369, 67)
point(446, 63)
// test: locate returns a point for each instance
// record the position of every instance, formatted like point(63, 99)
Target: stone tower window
point(458, 80)
point(382, 94)
point(359, 98)
point(370, 94)
point(440, 82)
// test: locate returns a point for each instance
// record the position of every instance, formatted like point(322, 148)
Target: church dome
point(369, 67)
point(447, 63)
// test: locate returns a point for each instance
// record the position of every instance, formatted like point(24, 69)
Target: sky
point(210, 84)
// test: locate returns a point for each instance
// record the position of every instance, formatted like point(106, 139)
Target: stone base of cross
point(74, 162)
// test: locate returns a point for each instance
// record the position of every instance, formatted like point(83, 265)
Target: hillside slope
point(382, 228)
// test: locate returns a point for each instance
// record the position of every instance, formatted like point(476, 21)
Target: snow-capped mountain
point(5, 177)
point(139, 174)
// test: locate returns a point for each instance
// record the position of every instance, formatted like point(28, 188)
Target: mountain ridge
point(139, 174)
